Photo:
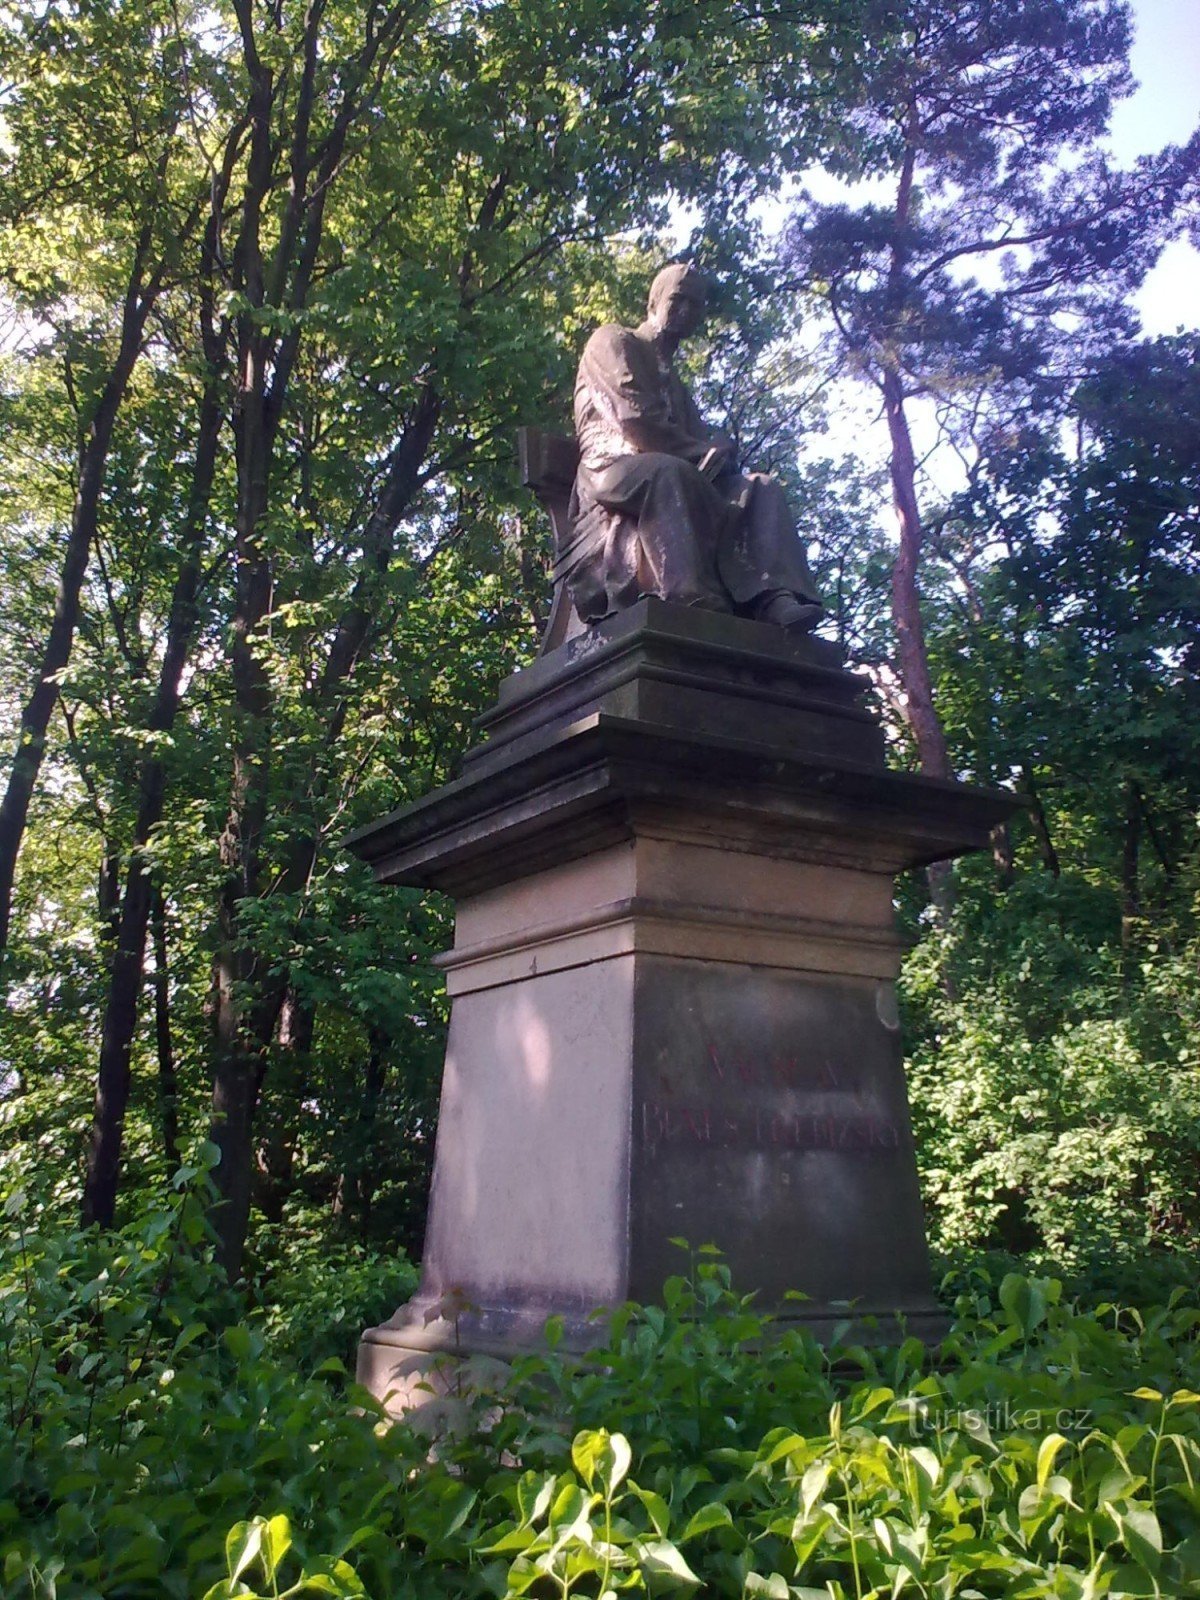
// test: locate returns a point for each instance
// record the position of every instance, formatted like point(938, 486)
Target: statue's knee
point(676, 468)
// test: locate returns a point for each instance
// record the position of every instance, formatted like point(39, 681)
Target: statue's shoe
point(791, 614)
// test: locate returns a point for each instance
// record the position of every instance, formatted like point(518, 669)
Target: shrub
point(159, 1448)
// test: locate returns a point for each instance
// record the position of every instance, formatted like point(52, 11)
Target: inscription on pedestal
point(759, 1129)
point(820, 1112)
point(770, 1119)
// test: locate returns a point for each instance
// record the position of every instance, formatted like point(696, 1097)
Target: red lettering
point(698, 1124)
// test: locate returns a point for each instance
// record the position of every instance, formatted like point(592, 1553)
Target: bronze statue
point(659, 506)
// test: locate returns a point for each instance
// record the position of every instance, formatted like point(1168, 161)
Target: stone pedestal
point(672, 982)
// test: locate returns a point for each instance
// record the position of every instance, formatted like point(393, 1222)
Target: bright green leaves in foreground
point(257, 1556)
point(599, 1536)
point(156, 1446)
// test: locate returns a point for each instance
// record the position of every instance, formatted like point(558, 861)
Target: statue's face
point(678, 309)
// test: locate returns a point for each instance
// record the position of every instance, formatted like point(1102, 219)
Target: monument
point(672, 982)
point(659, 507)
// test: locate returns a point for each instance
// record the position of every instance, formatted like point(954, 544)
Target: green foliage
point(320, 1294)
point(1052, 1024)
point(400, 221)
point(1056, 1093)
point(138, 1408)
point(1045, 1449)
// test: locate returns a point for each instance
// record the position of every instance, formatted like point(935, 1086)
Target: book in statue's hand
point(714, 460)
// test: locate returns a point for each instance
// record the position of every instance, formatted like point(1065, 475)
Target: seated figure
point(659, 507)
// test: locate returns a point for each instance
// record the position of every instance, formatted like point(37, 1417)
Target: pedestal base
point(673, 1006)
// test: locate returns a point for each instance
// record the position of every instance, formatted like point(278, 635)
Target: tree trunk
point(128, 967)
point(277, 1152)
point(264, 993)
point(85, 513)
point(247, 998)
point(1002, 854)
point(236, 1057)
point(168, 1080)
point(357, 1185)
point(1131, 897)
point(1040, 824)
point(913, 659)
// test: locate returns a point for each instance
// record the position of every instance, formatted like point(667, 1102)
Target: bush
point(160, 1448)
point(1055, 1089)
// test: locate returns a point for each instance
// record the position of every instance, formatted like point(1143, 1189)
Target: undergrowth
point(164, 1439)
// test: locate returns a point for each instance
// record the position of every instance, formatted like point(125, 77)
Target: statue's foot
point(790, 614)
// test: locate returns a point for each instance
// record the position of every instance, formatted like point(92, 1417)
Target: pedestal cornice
point(608, 778)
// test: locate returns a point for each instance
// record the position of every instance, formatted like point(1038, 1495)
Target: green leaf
point(242, 1545)
point(713, 1515)
point(813, 1483)
point(276, 1542)
point(773, 1587)
point(1047, 1452)
point(659, 1558)
point(338, 1578)
point(534, 1494)
point(1140, 1534)
point(238, 1341)
point(598, 1454)
point(1025, 1301)
point(656, 1508)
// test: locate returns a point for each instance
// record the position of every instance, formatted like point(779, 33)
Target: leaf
point(516, 1539)
point(569, 1506)
point(1047, 1451)
point(534, 1494)
point(1140, 1534)
point(787, 1446)
point(930, 1466)
point(812, 1484)
point(276, 1542)
point(656, 1508)
point(660, 1558)
point(462, 1499)
point(238, 1341)
point(714, 1515)
point(242, 1545)
point(1025, 1301)
point(773, 1587)
point(596, 1453)
point(189, 1335)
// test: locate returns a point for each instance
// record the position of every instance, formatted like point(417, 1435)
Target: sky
point(1165, 110)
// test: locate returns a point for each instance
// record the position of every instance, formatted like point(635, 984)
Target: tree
point(393, 212)
point(1090, 591)
point(115, 170)
point(989, 119)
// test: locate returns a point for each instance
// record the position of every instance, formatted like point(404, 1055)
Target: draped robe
point(644, 519)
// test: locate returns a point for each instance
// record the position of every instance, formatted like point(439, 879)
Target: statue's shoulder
point(614, 351)
point(611, 336)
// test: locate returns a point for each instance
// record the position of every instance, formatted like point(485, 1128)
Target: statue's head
point(676, 303)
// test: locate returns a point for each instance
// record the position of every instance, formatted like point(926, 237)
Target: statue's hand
point(718, 458)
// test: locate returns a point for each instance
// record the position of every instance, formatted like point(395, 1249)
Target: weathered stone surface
point(660, 506)
point(673, 987)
